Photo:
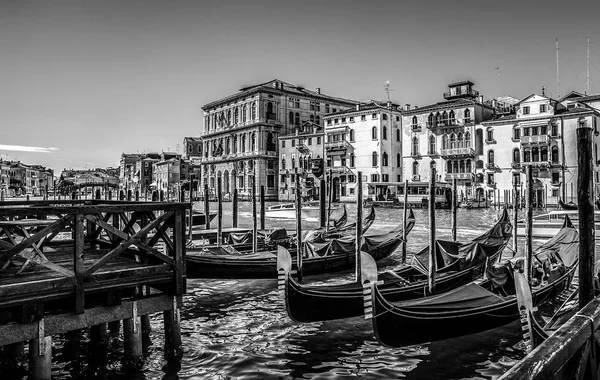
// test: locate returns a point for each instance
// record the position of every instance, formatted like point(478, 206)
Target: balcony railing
point(459, 93)
point(491, 166)
point(339, 169)
point(538, 164)
point(459, 176)
point(416, 177)
point(458, 152)
point(415, 128)
point(538, 139)
point(337, 145)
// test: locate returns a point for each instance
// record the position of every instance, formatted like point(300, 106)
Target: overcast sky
point(84, 81)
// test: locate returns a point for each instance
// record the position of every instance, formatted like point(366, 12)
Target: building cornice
point(235, 129)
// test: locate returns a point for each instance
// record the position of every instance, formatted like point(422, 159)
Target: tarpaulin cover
point(466, 297)
point(453, 256)
point(339, 217)
point(244, 237)
point(346, 244)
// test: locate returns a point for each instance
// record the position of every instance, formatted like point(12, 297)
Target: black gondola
point(321, 256)
point(566, 206)
point(473, 307)
point(458, 264)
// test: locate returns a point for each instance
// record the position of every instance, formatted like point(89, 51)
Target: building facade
point(541, 135)
point(241, 133)
point(445, 133)
point(366, 139)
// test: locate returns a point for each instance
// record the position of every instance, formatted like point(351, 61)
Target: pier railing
point(569, 353)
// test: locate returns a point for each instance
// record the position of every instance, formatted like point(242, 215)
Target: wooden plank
point(161, 233)
point(585, 207)
point(61, 323)
point(179, 249)
point(125, 244)
point(106, 226)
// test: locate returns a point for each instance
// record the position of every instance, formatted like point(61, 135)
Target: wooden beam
point(79, 265)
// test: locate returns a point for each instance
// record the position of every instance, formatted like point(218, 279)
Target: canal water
point(239, 329)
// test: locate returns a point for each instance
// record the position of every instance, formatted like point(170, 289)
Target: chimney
point(481, 99)
point(415, 107)
point(358, 106)
point(494, 103)
point(389, 104)
point(318, 90)
point(407, 107)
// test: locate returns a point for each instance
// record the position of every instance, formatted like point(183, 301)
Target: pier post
point(495, 204)
point(322, 196)
point(114, 328)
point(329, 200)
point(254, 216)
point(454, 198)
point(234, 217)
point(2, 196)
point(404, 221)
point(133, 358)
point(359, 212)
point(432, 245)
point(12, 356)
point(515, 219)
point(206, 207)
point(173, 345)
point(299, 227)
point(219, 214)
point(40, 358)
point(262, 207)
point(529, 222)
point(585, 203)
point(99, 336)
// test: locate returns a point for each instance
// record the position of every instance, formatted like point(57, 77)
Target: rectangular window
point(555, 177)
point(490, 179)
point(351, 190)
point(310, 141)
point(270, 180)
point(526, 110)
point(526, 131)
point(385, 177)
point(318, 141)
point(534, 131)
point(397, 118)
point(334, 110)
point(517, 133)
point(363, 118)
point(544, 130)
point(343, 120)
point(336, 121)
point(329, 122)
point(542, 108)
point(554, 129)
point(282, 178)
point(351, 178)
point(516, 179)
point(326, 108)
point(374, 177)
point(555, 192)
point(374, 116)
point(399, 178)
point(283, 143)
point(312, 106)
point(293, 143)
point(384, 116)
point(352, 119)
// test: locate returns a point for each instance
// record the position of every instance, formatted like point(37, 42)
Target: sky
point(82, 82)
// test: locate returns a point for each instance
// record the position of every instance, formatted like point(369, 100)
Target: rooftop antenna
point(588, 66)
point(557, 73)
point(543, 90)
point(498, 71)
point(387, 88)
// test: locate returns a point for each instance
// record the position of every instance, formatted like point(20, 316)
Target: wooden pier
point(70, 265)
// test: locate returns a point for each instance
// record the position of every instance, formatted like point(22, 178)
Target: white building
point(364, 139)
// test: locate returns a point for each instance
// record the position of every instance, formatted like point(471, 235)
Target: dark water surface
point(238, 329)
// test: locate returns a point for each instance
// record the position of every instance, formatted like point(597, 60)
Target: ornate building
point(241, 132)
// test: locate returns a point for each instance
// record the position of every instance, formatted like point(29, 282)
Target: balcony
point(458, 152)
point(334, 146)
point(303, 149)
point(492, 166)
point(544, 165)
point(450, 123)
point(339, 170)
point(470, 93)
point(415, 128)
point(539, 139)
point(459, 176)
point(416, 177)
point(516, 165)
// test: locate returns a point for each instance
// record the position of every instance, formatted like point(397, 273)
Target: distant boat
point(548, 225)
point(567, 206)
point(309, 211)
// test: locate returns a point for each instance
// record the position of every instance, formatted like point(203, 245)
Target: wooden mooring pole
point(262, 207)
point(219, 214)
point(299, 227)
point(432, 245)
point(454, 206)
point(234, 216)
point(206, 207)
point(585, 203)
point(133, 357)
point(254, 216)
point(359, 212)
point(40, 358)
point(329, 199)
point(322, 196)
point(404, 221)
point(515, 219)
point(529, 221)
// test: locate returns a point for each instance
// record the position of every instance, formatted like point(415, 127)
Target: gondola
point(458, 264)
point(566, 206)
point(474, 307)
point(321, 256)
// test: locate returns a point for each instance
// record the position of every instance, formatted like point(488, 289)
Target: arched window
point(375, 159)
point(244, 113)
point(235, 148)
point(544, 155)
point(452, 118)
point(374, 133)
point(415, 146)
point(414, 120)
point(352, 135)
point(445, 118)
point(384, 159)
point(555, 154)
point(270, 113)
point(438, 119)
point(491, 157)
point(229, 117)
point(452, 141)
point(516, 156)
point(291, 118)
point(318, 119)
point(527, 155)
point(479, 164)
point(468, 166)
point(271, 142)
point(467, 140)
point(445, 141)
point(227, 146)
point(243, 149)
point(283, 162)
point(430, 120)
point(455, 166)
point(461, 166)
point(384, 132)
point(297, 119)
point(253, 148)
point(415, 168)
point(293, 162)
point(397, 134)
point(398, 160)
point(449, 167)
point(351, 160)
point(467, 115)
point(459, 140)
point(431, 144)
point(535, 154)
point(253, 111)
